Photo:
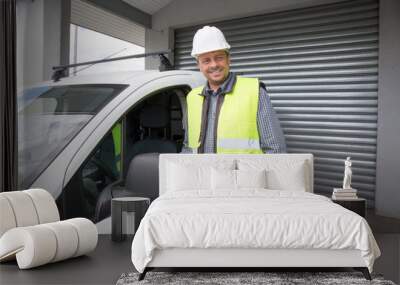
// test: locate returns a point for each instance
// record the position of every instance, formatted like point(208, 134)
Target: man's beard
point(218, 82)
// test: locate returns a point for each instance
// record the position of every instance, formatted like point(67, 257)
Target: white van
point(78, 135)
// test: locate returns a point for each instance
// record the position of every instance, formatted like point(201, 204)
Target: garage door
point(320, 66)
point(91, 17)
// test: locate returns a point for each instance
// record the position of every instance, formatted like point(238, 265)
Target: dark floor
point(110, 260)
point(103, 266)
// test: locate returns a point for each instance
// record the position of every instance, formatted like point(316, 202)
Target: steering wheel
point(104, 168)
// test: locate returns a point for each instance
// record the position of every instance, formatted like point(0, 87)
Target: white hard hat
point(208, 39)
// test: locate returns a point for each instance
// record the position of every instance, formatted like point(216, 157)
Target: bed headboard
point(205, 159)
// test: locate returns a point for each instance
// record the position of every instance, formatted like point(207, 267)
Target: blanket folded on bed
point(252, 218)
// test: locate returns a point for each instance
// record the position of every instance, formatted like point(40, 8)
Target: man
point(230, 114)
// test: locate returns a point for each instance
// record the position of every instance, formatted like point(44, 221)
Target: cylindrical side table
point(138, 205)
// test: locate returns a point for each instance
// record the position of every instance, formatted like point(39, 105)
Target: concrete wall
point(51, 36)
point(181, 13)
point(387, 201)
point(38, 40)
point(29, 42)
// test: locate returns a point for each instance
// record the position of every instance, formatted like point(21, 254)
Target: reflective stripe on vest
point(245, 144)
point(237, 130)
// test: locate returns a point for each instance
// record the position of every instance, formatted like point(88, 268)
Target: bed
point(247, 211)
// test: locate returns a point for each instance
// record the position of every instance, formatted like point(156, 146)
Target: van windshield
point(50, 117)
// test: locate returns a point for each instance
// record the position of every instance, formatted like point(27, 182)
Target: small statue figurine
point(347, 174)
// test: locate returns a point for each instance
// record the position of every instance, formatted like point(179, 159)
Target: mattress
point(250, 219)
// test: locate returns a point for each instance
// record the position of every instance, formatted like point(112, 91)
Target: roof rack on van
point(60, 71)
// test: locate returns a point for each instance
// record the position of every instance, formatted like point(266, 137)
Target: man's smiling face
point(215, 66)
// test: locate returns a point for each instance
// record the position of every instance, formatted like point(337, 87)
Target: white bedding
point(251, 218)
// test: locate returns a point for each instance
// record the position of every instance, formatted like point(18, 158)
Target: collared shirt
point(270, 132)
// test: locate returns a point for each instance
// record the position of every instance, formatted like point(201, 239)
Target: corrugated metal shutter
point(91, 17)
point(320, 66)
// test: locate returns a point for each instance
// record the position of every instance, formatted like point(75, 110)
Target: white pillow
point(227, 179)
point(223, 179)
point(251, 178)
point(281, 174)
point(293, 180)
point(183, 174)
point(183, 177)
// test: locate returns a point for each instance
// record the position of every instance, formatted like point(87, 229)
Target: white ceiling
point(148, 6)
point(100, 20)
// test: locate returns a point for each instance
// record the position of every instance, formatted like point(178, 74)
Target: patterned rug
point(243, 278)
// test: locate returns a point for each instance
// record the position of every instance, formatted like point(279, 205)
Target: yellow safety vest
point(237, 130)
point(117, 134)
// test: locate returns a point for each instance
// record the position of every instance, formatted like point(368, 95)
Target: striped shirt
point(270, 132)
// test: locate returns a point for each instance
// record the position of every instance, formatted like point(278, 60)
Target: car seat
point(141, 180)
point(154, 120)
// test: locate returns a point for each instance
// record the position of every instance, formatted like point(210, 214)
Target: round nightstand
point(358, 205)
point(138, 205)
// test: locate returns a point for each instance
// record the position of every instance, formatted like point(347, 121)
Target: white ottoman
point(31, 232)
